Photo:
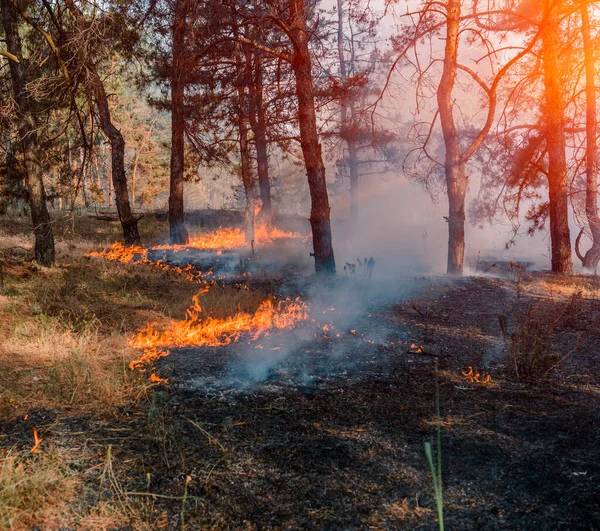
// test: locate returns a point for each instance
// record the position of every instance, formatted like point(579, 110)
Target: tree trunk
point(131, 234)
point(259, 128)
point(244, 72)
point(128, 222)
point(592, 256)
point(177, 229)
point(110, 185)
point(555, 137)
point(354, 179)
point(309, 141)
point(454, 166)
point(36, 195)
point(346, 132)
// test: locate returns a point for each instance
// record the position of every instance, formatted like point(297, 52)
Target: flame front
point(228, 238)
point(199, 331)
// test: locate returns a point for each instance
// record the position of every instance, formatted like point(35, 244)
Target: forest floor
point(319, 427)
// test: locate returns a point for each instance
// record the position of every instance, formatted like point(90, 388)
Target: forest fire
point(230, 238)
point(118, 252)
point(198, 330)
point(134, 254)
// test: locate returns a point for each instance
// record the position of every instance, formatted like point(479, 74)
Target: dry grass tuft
point(35, 490)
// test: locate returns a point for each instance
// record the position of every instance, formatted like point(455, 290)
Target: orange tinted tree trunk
point(309, 141)
point(454, 165)
point(555, 137)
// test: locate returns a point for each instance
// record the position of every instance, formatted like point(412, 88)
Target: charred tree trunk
point(177, 230)
point(454, 166)
point(129, 223)
point(36, 195)
point(592, 256)
point(309, 141)
point(259, 128)
point(555, 138)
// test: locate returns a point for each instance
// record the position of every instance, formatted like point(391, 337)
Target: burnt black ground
point(331, 435)
point(343, 448)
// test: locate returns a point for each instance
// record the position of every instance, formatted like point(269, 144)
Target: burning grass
point(201, 329)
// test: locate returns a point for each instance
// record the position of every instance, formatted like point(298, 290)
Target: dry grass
point(35, 489)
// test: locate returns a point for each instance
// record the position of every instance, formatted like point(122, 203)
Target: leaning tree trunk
point(454, 166)
point(309, 141)
point(592, 256)
point(555, 138)
point(36, 195)
point(129, 223)
point(177, 230)
point(259, 128)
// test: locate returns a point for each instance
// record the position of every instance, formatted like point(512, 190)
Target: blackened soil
point(517, 453)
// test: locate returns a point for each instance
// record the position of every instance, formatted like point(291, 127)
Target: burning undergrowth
point(285, 343)
point(218, 255)
point(200, 330)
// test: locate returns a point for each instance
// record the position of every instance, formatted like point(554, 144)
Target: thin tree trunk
point(354, 179)
point(592, 256)
point(309, 141)
point(346, 132)
point(110, 185)
point(177, 230)
point(42, 227)
point(84, 190)
point(259, 128)
point(456, 179)
point(247, 180)
point(129, 223)
point(555, 137)
point(244, 77)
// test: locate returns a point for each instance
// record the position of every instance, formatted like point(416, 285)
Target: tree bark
point(129, 223)
point(244, 79)
point(259, 128)
point(454, 166)
point(309, 141)
point(177, 229)
point(44, 238)
point(592, 256)
point(555, 137)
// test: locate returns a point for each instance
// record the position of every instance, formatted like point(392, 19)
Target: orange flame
point(228, 238)
point(37, 441)
point(212, 332)
point(118, 252)
point(474, 376)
